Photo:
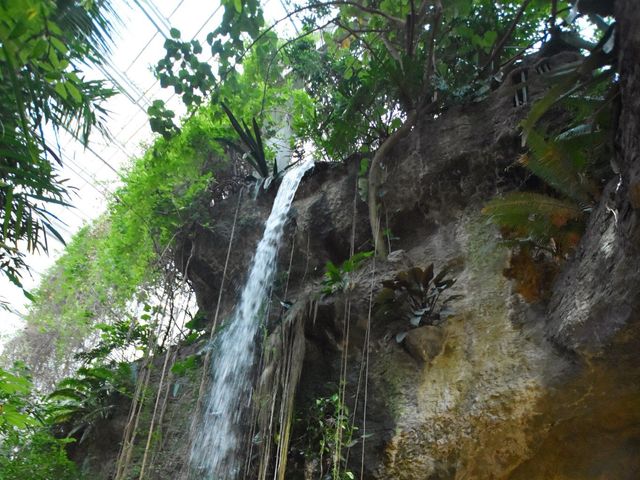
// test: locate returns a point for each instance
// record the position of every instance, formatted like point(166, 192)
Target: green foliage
point(252, 149)
point(337, 279)
point(28, 449)
point(533, 216)
point(415, 295)
point(161, 119)
point(572, 158)
point(39, 456)
point(17, 403)
point(197, 322)
point(80, 402)
point(197, 327)
point(189, 76)
point(115, 264)
point(120, 336)
point(382, 61)
point(186, 365)
point(42, 44)
point(193, 79)
point(378, 61)
point(327, 432)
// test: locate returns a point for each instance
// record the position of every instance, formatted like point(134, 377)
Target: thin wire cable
point(151, 19)
point(367, 345)
point(155, 34)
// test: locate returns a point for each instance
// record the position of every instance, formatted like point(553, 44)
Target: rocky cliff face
point(501, 389)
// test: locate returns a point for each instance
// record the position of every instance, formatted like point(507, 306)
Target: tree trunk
point(376, 180)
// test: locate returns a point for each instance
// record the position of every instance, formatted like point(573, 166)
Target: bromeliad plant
point(252, 149)
point(416, 295)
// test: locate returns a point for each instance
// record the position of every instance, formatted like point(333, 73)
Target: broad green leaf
point(60, 89)
point(74, 92)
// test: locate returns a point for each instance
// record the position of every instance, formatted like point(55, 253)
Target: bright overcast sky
point(138, 46)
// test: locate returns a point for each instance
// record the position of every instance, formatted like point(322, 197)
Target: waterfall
point(215, 449)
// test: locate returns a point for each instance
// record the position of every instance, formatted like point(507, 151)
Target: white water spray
point(215, 449)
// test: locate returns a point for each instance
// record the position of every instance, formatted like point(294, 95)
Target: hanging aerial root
point(284, 352)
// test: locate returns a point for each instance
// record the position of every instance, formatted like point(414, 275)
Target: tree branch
point(429, 64)
point(497, 47)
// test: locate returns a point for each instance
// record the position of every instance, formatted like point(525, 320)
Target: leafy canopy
point(42, 88)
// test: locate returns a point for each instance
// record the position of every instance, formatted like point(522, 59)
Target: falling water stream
point(215, 449)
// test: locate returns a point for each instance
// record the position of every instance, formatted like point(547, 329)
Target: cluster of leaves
point(327, 428)
point(380, 60)
point(92, 284)
point(28, 448)
point(573, 162)
point(116, 264)
point(192, 78)
point(187, 365)
point(36, 456)
point(375, 64)
point(43, 43)
point(32, 424)
point(255, 90)
point(415, 295)
point(338, 278)
point(195, 327)
point(251, 149)
point(82, 401)
point(119, 337)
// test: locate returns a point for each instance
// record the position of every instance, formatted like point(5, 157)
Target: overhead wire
point(151, 19)
point(150, 40)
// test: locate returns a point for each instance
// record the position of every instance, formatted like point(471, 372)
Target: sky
point(138, 45)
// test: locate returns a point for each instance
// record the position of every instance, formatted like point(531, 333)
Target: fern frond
point(534, 214)
point(561, 165)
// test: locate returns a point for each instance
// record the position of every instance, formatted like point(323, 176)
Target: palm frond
point(91, 23)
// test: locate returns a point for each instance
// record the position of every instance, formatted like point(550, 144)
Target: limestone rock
point(425, 343)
